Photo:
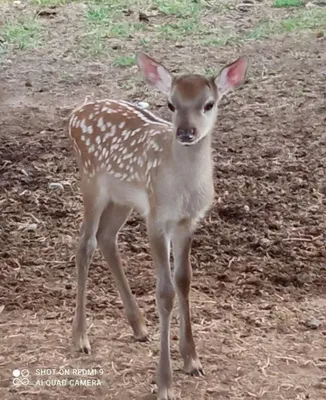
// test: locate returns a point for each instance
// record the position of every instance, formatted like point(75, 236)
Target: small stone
point(246, 208)
point(143, 104)
point(55, 185)
point(31, 227)
point(313, 323)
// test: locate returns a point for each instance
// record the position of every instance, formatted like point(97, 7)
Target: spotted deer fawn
point(129, 159)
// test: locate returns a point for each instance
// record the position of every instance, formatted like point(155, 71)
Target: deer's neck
point(196, 159)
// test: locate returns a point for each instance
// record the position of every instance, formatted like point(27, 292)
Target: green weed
point(288, 3)
point(124, 61)
point(21, 34)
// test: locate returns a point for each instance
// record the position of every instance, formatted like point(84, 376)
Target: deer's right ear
point(154, 73)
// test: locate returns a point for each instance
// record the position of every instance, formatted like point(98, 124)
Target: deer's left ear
point(232, 76)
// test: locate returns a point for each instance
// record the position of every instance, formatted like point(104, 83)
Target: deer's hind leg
point(112, 220)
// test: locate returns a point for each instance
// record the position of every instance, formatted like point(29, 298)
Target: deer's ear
point(232, 76)
point(154, 73)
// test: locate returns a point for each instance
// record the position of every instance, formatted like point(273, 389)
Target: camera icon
point(20, 377)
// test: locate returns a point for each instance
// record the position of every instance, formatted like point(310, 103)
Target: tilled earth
point(258, 256)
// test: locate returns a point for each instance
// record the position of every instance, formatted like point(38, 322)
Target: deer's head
point(193, 99)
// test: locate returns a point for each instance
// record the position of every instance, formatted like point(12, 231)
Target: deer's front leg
point(165, 293)
point(181, 242)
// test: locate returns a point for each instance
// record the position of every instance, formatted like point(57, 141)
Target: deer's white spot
point(91, 149)
point(105, 152)
point(83, 138)
point(122, 124)
point(96, 153)
point(133, 143)
point(91, 116)
point(114, 139)
point(109, 124)
point(127, 135)
point(88, 142)
point(98, 139)
point(115, 146)
point(117, 175)
point(100, 122)
point(107, 135)
point(149, 166)
point(83, 126)
point(90, 129)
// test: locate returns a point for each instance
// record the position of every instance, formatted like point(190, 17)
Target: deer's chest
point(179, 199)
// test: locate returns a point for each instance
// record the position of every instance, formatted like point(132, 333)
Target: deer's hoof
point(81, 341)
point(142, 335)
point(194, 368)
point(166, 394)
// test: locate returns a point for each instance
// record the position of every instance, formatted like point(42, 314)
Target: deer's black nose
point(186, 135)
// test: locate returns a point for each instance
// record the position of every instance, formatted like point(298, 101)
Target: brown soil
point(258, 257)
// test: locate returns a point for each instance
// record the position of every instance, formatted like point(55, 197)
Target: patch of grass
point(105, 21)
point(304, 20)
point(179, 8)
point(47, 3)
point(125, 61)
point(222, 39)
point(179, 29)
point(101, 14)
point(21, 34)
point(288, 3)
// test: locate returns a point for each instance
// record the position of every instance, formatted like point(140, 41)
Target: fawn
point(129, 159)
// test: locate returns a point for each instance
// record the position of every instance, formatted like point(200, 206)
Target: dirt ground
point(258, 257)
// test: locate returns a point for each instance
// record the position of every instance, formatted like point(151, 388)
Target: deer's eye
point(208, 106)
point(171, 106)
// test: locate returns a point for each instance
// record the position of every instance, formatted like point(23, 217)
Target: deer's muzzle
point(186, 135)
